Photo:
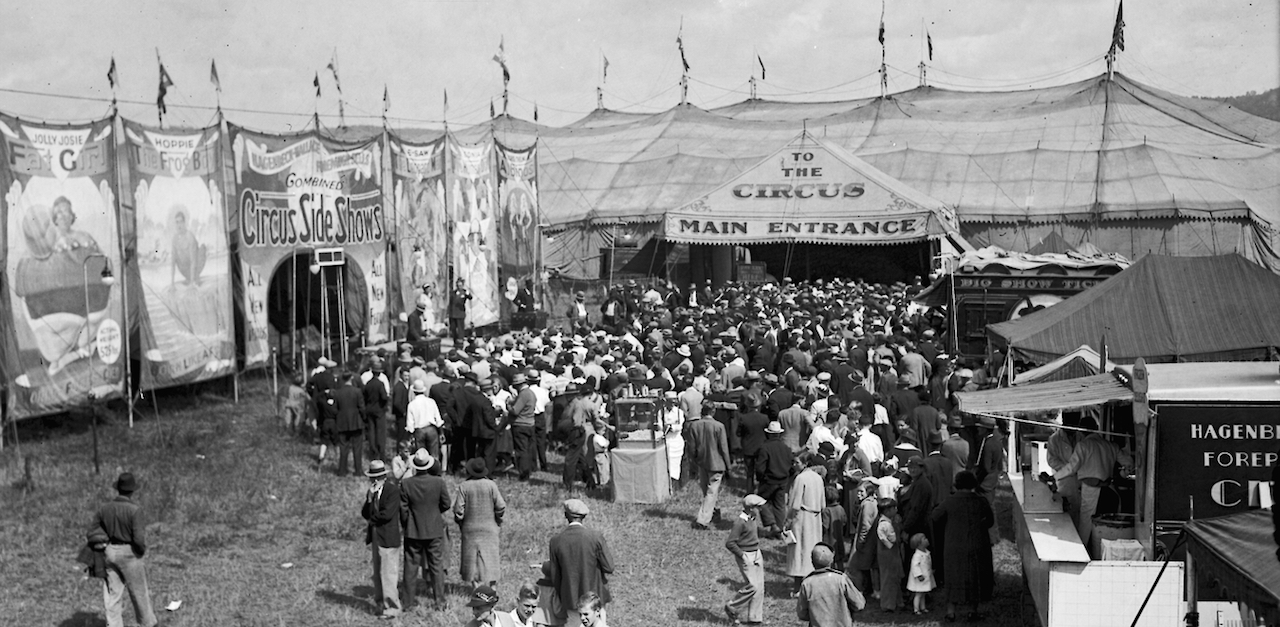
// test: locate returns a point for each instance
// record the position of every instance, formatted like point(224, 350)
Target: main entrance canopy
point(811, 191)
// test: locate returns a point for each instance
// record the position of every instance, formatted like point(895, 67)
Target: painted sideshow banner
point(418, 173)
point(306, 196)
point(475, 229)
point(518, 221)
point(187, 332)
point(62, 261)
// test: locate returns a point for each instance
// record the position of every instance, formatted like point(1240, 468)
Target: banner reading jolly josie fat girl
point(64, 342)
point(175, 179)
point(319, 201)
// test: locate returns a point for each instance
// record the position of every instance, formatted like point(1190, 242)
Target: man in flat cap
point(121, 520)
point(580, 562)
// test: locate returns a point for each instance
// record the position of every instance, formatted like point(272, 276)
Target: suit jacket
point(376, 398)
point(383, 516)
point(580, 562)
point(423, 498)
point(706, 443)
point(478, 412)
point(416, 330)
point(350, 402)
point(458, 303)
point(399, 398)
point(751, 427)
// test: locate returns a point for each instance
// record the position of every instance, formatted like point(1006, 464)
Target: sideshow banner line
point(472, 205)
point(298, 194)
point(418, 181)
point(182, 254)
point(518, 223)
point(61, 233)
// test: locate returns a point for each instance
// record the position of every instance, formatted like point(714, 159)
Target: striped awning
point(1068, 394)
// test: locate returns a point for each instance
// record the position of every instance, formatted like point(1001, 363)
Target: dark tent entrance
point(316, 309)
point(877, 264)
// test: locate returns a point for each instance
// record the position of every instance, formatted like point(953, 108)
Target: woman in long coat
point(804, 505)
point(478, 508)
point(964, 518)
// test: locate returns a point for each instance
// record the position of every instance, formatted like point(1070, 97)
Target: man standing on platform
point(707, 445)
point(418, 330)
point(458, 310)
point(580, 562)
point(121, 520)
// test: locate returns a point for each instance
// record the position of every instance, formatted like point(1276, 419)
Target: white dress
point(674, 421)
point(921, 564)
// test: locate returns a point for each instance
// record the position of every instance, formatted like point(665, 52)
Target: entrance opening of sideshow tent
point(326, 307)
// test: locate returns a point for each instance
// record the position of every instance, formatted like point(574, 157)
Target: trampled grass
point(232, 499)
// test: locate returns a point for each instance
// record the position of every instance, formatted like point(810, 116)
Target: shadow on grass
point(83, 619)
point(701, 615)
point(358, 599)
point(654, 512)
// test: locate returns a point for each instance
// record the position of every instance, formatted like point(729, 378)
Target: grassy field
point(232, 499)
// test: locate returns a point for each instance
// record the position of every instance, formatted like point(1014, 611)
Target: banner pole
point(275, 382)
point(124, 267)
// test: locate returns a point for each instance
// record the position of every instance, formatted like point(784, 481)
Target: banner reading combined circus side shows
point(61, 260)
point(518, 221)
point(418, 173)
point(318, 202)
point(475, 240)
point(187, 330)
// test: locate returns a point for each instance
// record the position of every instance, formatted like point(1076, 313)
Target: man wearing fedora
point(458, 310)
point(423, 421)
point(321, 387)
point(990, 465)
point(377, 396)
point(382, 510)
point(773, 475)
point(580, 563)
point(349, 403)
point(522, 420)
point(423, 498)
point(579, 321)
point(121, 520)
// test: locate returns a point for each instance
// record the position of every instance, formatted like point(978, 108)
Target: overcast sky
point(268, 52)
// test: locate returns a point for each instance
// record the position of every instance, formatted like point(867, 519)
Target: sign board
point(1038, 284)
point(1219, 456)
point(809, 192)
point(751, 273)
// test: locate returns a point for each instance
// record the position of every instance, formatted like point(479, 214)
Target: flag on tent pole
point(881, 36)
point(316, 82)
point(163, 89)
point(112, 78)
point(386, 101)
point(929, 40)
point(333, 69)
point(213, 76)
point(501, 60)
point(535, 112)
point(680, 45)
point(1117, 33)
point(446, 104)
point(492, 114)
point(606, 68)
point(761, 61)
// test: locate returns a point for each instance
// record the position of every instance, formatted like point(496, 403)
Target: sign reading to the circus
point(807, 192)
point(182, 254)
point(62, 264)
point(297, 193)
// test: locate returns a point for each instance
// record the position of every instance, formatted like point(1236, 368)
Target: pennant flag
point(535, 112)
point(929, 40)
point(1117, 33)
point(606, 68)
point(680, 44)
point(316, 82)
point(213, 76)
point(492, 114)
point(165, 84)
point(112, 79)
point(881, 37)
point(446, 103)
point(333, 68)
point(761, 61)
point(501, 60)
point(386, 100)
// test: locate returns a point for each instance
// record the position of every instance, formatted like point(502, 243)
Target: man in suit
point(707, 445)
point(382, 510)
point(579, 321)
point(580, 563)
point(376, 399)
point(423, 497)
point(751, 431)
point(458, 310)
point(483, 418)
point(349, 401)
point(417, 331)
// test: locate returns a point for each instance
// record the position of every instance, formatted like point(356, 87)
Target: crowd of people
point(832, 402)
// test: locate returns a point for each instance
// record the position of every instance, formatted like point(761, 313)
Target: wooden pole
point(275, 382)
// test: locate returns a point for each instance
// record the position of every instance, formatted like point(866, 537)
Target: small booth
point(639, 463)
point(1204, 437)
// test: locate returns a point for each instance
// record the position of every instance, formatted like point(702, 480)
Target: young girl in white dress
point(920, 578)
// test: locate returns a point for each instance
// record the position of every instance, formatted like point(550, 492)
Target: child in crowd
point(889, 555)
point(296, 405)
point(834, 522)
point(920, 580)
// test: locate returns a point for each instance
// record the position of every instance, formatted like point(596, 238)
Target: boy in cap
point(121, 521)
point(744, 543)
point(483, 601)
point(827, 598)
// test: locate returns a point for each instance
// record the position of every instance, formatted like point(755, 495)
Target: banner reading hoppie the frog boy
point(64, 342)
point(297, 194)
point(182, 254)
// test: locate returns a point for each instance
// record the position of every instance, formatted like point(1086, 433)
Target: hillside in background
point(1265, 104)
